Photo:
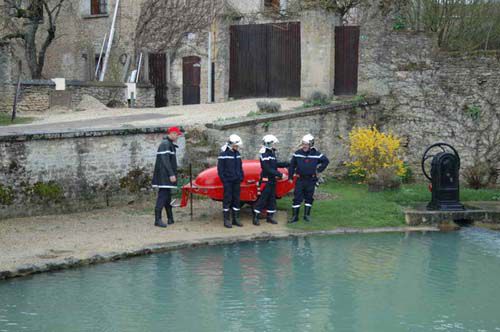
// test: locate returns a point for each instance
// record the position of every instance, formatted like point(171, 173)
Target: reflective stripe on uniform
point(229, 157)
point(302, 156)
point(256, 211)
point(159, 186)
point(267, 158)
point(307, 204)
point(225, 210)
point(271, 211)
point(295, 206)
point(235, 209)
point(164, 152)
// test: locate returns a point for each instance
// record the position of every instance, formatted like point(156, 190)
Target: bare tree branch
point(24, 24)
point(164, 24)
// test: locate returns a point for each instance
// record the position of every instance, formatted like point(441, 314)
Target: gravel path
point(50, 239)
point(40, 244)
point(143, 117)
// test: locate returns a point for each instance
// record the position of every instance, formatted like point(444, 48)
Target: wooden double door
point(265, 60)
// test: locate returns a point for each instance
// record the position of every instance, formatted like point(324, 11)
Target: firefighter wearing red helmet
point(165, 175)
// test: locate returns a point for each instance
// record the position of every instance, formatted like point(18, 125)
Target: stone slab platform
point(483, 212)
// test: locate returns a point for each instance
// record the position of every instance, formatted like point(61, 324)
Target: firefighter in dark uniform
point(269, 173)
point(306, 163)
point(165, 175)
point(230, 171)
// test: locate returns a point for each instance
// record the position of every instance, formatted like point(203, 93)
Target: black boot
point(227, 220)
point(307, 213)
point(270, 219)
point(295, 216)
point(170, 215)
point(236, 218)
point(256, 221)
point(158, 221)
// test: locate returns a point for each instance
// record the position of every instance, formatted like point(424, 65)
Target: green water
point(373, 282)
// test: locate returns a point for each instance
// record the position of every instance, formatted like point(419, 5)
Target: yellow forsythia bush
point(371, 150)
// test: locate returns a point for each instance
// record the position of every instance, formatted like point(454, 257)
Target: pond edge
point(72, 262)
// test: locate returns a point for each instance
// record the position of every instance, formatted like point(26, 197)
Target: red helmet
point(174, 129)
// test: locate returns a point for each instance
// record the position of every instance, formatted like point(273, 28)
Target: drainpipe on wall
point(100, 56)
point(110, 42)
point(209, 67)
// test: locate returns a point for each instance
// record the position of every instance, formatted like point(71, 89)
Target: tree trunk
point(30, 50)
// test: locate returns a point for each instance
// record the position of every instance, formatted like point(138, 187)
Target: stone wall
point(63, 172)
point(5, 62)
point(36, 94)
point(428, 95)
point(317, 43)
point(329, 124)
point(75, 171)
point(6, 90)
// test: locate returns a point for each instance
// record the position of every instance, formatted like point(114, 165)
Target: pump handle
point(426, 155)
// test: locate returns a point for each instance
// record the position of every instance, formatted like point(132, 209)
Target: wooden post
point(191, 193)
point(18, 90)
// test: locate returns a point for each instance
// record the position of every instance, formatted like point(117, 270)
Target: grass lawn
point(5, 120)
point(353, 206)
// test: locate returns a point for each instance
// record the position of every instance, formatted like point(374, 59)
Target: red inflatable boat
point(208, 183)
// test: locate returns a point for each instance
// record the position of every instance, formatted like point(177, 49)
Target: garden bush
point(375, 156)
point(478, 176)
point(317, 98)
point(268, 106)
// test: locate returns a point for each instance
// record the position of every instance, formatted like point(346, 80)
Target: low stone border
point(474, 212)
point(72, 262)
point(290, 114)
point(71, 133)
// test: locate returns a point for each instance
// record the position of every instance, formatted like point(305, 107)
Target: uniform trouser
point(231, 196)
point(267, 199)
point(163, 199)
point(304, 191)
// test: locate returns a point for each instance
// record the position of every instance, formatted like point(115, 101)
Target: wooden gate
point(191, 80)
point(346, 60)
point(158, 77)
point(265, 60)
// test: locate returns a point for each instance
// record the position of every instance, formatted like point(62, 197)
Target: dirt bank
point(38, 244)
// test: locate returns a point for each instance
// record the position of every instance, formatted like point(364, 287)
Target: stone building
point(190, 76)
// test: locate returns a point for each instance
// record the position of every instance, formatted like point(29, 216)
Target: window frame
point(98, 7)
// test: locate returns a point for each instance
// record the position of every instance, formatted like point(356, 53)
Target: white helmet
point(308, 139)
point(235, 140)
point(269, 140)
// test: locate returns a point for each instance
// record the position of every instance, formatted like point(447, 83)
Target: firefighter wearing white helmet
point(306, 163)
point(230, 171)
point(268, 176)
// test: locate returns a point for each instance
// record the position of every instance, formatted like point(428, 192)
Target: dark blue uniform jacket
point(307, 163)
point(229, 166)
point(269, 165)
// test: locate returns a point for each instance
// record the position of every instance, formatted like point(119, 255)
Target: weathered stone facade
point(329, 124)
point(61, 172)
point(76, 171)
point(73, 54)
point(429, 96)
point(317, 52)
point(5, 62)
point(36, 95)
point(6, 93)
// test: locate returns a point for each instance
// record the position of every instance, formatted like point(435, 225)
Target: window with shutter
point(98, 7)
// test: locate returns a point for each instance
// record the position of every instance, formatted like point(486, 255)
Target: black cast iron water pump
point(444, 177)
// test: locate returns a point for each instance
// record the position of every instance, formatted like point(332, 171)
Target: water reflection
point(382, 282)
